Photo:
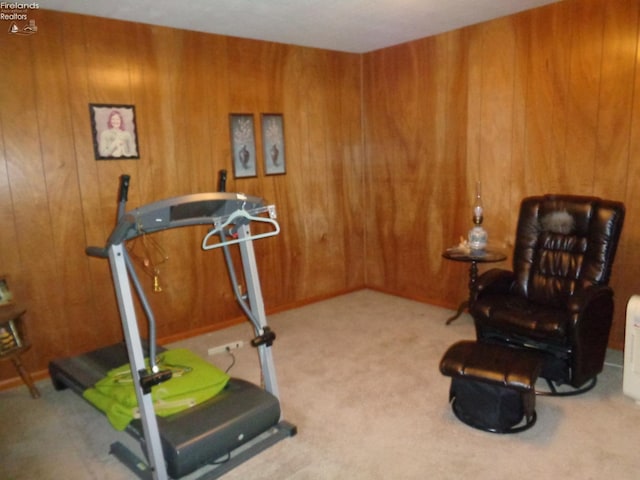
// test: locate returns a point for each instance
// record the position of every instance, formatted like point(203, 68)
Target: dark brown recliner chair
point(556, 300)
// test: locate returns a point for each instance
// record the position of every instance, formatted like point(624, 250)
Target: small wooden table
point(13, 343)
point(462, 255)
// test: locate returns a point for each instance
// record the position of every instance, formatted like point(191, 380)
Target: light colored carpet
point(359, 377)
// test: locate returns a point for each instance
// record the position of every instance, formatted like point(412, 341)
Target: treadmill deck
point(193, 437)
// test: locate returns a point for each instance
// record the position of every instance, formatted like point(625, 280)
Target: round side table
point(473, 258)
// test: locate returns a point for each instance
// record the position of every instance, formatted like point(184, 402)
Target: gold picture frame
point(6, 296)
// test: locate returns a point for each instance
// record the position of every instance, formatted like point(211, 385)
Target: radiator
point(631, 378)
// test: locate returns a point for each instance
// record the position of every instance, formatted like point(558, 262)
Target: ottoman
point(492, 386)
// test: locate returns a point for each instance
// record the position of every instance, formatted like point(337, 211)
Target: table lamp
point(477, 235)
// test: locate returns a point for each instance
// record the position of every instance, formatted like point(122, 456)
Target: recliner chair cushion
point(520, 316)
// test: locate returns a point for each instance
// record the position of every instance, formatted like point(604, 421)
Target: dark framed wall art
point(273, 144)
point(243, 145)
point(114, 131)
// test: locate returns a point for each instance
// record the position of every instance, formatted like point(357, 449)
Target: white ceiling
point(346, 25)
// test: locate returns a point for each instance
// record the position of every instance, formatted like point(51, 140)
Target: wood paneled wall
point(56, 199)
point(546, 101)
point(383, 153)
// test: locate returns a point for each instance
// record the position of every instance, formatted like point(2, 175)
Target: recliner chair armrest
point(587, 297)
point(495, 280)
point(591, 315)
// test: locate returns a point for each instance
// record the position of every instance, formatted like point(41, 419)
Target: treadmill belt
point(193, 437)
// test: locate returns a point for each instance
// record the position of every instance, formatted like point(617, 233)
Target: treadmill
point(237, 423)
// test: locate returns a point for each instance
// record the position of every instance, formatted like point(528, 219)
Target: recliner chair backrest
point(564, 243)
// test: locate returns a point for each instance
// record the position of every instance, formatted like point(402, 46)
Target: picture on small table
point(6, 297)
point(9, 337)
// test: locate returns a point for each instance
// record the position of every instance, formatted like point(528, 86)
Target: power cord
point(233, 360)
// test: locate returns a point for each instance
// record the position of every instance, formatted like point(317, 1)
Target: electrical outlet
point(227, 347)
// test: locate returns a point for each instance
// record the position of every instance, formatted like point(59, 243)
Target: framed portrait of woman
point(114, 131)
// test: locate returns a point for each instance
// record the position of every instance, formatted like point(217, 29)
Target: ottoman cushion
point(492, 386)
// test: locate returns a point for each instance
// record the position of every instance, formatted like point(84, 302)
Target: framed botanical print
point(273, 144)
point(243, 145)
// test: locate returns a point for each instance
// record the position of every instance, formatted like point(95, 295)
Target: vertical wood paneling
point(18, 189)
point(473, 71)
point(109, 51)
point(629, 253)
point(559, 72)
point(58, 199)
point(584, 89)
point(394, 149)
point(496, 124)
point(616, 95)
point(457, 149)
point(545, 100)
point(614, 130)
point(519, 182)
point(66, 250)
point(97, 217)
point(462, 165)
point(539, 102)
point(438, 122)
point(550, 101)
point(106, 61)
point(320, 207)
point(614, 135)
point(290, 200)
point(36, 245)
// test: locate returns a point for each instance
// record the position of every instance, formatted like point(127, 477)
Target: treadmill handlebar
point(119, 235)
point(186, 210)
point(123, 194)
point(148, 380)
point(124, 228)
point(222, 182)
point(124, 188)
point(99, 252)
point(267, 338)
